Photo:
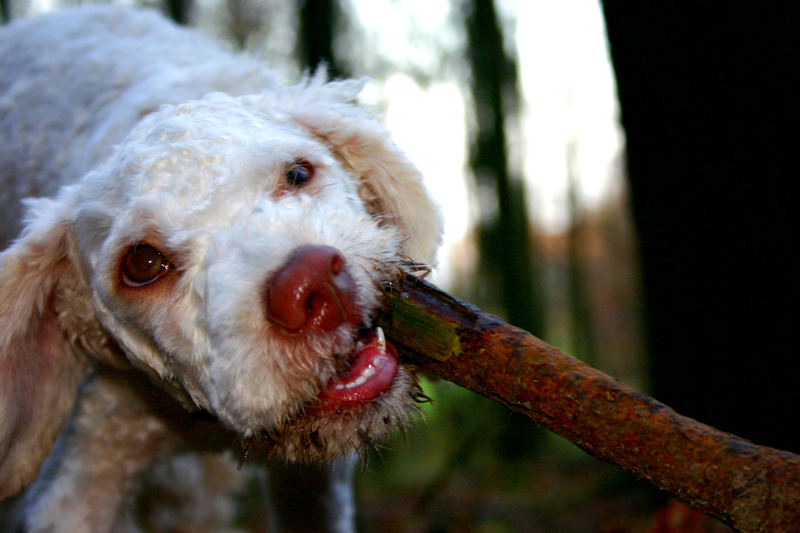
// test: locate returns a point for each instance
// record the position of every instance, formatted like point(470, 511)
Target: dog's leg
point(110, 439)
point(315, 497)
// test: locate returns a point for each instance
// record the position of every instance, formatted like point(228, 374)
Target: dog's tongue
point(371, 373)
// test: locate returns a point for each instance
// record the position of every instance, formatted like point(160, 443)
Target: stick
point(752, 488)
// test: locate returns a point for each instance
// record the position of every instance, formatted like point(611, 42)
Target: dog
point(196, 265)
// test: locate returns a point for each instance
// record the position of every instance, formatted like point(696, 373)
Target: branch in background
point(752, 488)
point(316, 36)
point(178, 10)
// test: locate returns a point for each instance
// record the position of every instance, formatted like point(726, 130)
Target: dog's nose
point(312, 290)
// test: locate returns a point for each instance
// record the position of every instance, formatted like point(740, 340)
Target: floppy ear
point(41, 299)
point(390, 184)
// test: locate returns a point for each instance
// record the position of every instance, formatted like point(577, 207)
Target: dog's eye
point(142, 265)
point(299, 173)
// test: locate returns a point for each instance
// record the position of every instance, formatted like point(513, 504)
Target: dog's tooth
point(381, 339)
point(365, 375)
point(368, 372)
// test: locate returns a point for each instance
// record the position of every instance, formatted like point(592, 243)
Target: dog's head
point(232, 249)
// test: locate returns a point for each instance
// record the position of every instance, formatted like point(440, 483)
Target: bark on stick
point(752, 488)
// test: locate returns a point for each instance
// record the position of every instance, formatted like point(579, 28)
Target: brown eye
point(299, 173)
point(142, 265)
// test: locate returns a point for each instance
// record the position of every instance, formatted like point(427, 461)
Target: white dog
point(200, 269)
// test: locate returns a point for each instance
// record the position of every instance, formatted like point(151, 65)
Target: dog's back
point(73, 83)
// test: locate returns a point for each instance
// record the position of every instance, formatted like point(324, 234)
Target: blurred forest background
point(666, 257)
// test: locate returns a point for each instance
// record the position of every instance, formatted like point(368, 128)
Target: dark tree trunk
point(505, 241)
point(317, 23)
point(709, 98)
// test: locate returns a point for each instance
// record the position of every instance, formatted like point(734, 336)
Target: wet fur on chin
point(316, 435)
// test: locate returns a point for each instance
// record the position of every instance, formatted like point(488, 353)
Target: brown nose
point(312, 291)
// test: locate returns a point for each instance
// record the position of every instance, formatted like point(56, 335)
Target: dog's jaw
point(326, 429)
point(368, 396)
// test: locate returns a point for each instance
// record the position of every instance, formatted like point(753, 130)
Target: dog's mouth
point(370, 394)
point(366, 373)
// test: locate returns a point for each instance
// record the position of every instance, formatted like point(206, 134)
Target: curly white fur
point(128, 129)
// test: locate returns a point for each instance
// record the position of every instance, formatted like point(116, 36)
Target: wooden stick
point(752, 488)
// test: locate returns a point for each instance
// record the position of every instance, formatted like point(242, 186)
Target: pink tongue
point(370, 375)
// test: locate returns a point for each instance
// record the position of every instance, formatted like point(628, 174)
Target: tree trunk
point(317, 23)
point(581, 327)
point(709, 103)
point(506, 247)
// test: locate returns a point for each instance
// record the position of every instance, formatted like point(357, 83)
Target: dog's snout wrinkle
point(312, 291)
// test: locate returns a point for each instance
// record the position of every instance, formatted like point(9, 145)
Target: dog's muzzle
point(314, 292)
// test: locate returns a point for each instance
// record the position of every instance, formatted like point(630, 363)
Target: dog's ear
point(390, 184)
point(41, 295)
